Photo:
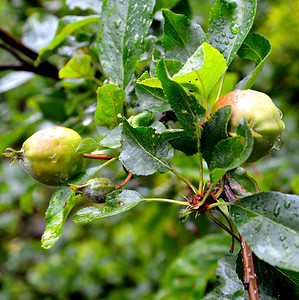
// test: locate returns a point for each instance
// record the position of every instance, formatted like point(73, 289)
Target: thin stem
point(97, 81)
point(200, 188)
point(218, 204)
point(222, 225)
point(168, 200)
point(206, 196)
point(192, 187)
point(220, 190)
point(220, 87)
point(96, 156)
point(104, 165)
point(124, 182)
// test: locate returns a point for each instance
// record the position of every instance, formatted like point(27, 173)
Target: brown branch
point(96, 156)
point(250, 280)
point(125, 181)
point(44, 69)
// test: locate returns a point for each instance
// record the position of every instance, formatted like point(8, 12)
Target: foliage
point(137, 80)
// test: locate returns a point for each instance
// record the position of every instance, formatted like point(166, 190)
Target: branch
point(44, 69)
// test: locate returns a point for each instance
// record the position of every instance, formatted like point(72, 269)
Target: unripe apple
point(263, 117)
point(95, 189)
point(49, 155)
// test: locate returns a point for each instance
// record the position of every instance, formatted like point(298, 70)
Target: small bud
point(95, 189)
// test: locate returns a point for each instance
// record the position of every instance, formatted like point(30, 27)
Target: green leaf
point(44, 53)
point(142, 119)
point(122, 29)
point(229, 23)
point(214, 130)
point(202, 70)
point(78, 67)
point(112, 140)
point(230, 153)
point(61, 203)
point(269, 224)
point(144, 150)
point(256, 48)
point(88, 145)
point(231, 287)
point(150, 98)
point(185, 106)
point(179, 140)
point(110, 103)
point(94, 5)
point(181, 37)
point(188, 275)
point(241, 183)
point(118, 202)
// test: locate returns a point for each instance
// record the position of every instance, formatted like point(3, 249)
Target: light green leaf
point(44, 53)
point(230, 22)
point(144, 150)
point(269, 223)
point(202, 70)
point(181, 37)
point(88, 145)
point(118, 202)
point(110, 103)
point(122, 29)
point(78, 67)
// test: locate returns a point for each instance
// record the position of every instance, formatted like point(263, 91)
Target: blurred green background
point(126, 256)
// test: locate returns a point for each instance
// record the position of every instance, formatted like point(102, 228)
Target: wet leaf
point(144, 150)
point(256, 48)
point(118, 202)
point(229, 23)
point(95, 5)
point(230, 153)
point(269, 223)
point(214, 130)
point(61, 203)
point(110, 103)
point(122, 29)
point(181, 37)
point(202, 70)
point(88, 145)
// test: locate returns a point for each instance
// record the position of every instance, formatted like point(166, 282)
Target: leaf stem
point(104, 165)
point(218, 204)
point(96, 156)
point(192, 187)
point(168, 200)
point(124, 182)
point(220, 87)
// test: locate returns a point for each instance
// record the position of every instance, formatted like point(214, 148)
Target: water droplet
point(235, 29)
point(226, 42)
point(223, 34)
point(117, 24)
point(297, 245)
point(285, 246)
point(282, 237)
point(287, 205)
point(278, 143)
point(276, 210)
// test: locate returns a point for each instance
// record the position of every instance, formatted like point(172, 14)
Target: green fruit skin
point(50, 155)
point(95, 189)
point(262, 115)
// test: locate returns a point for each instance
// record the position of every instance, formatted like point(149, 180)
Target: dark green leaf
point(214, 131)
point(44, 53)
point(110, 103)
point(122, 29)
point(180, 140)
point(256, 48)
point(165, 3)
point(181, 36)
point(61, 203)
point(241, 183)
point(231, 287)
point(144, 150)
point(118, 202)
point(230, 153)
point(78, 67)
point(88, 145)
point(269, 223)
point(202, 70)
point(230, 22)
point(150, 98)
point(188, 275)
point(186, 106)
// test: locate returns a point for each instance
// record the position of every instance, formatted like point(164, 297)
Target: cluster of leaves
point(187, 71)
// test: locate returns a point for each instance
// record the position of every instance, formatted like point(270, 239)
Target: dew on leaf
point(287, 205)
point(282, 237)
point(276, 210)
